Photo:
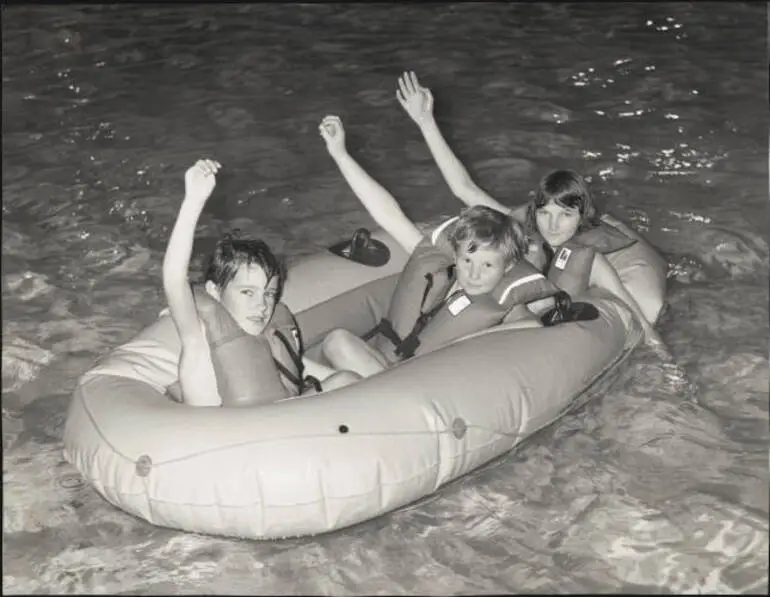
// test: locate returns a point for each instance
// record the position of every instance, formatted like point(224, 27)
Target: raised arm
point(417, 101)
point(200, 181)
point(380, 204)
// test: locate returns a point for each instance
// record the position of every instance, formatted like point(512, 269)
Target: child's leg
point(339, 380)
point(347, 351)
point(329, 378)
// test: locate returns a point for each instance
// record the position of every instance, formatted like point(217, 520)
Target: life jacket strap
point(384, 327)
point(407, 346)
point(411, 343)
point(549, 255)
point(296, 359)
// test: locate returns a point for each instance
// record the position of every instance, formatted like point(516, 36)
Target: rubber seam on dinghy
point(91, 418)
point(324, 498)
point(292, 438)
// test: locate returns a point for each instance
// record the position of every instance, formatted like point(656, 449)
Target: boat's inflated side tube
point(246, 372)
point(642, 269)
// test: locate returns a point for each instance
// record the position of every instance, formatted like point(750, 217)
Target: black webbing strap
point(303, 382)
point(411, 343)
point(385, 327)
point(549, 255)
point(406, 348)
point(296, 359)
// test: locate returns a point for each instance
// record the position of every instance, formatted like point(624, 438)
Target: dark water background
point(664, 105)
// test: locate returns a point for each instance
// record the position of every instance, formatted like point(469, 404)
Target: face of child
point(557, 224)
point(480, 271)
point(250, 299)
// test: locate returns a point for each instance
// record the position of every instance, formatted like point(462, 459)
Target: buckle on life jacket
point(311, 382)
point(407, 346)
point(411, 343)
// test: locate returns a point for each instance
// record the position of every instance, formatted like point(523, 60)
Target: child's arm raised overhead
point(380, 204)
point(200, 181)
point(417, 101)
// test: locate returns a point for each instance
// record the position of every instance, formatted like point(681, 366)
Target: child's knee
point(336, 342)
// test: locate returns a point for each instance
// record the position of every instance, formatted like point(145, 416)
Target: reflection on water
point(662, 105)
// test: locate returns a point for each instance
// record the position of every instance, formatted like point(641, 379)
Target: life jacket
point(421, 316)
point(569, 266)
point(252, 370)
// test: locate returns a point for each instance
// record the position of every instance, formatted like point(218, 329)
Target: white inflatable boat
point(313, 464)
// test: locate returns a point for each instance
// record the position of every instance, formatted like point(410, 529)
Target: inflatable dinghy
point(317, 463)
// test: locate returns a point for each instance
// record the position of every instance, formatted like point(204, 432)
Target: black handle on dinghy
point(565, 311)
point(362, 248)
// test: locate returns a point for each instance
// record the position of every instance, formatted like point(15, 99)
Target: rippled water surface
point(663, 105)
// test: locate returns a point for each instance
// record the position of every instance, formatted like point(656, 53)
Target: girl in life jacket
point(239, 346)
point(575, 241)
point(468, 276)
point(563, 213)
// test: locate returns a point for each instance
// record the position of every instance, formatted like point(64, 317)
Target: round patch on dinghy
point(459, 427)
point(143, 465)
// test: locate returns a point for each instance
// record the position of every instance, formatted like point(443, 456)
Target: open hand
point(415, 99)
point(200, 179)
point(333, 133)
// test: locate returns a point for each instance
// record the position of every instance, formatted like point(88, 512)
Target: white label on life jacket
point(457, 305)
point(562, 258)
point(295, 333)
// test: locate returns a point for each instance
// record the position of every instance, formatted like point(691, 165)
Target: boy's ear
point(508, 268)
point(212, 289)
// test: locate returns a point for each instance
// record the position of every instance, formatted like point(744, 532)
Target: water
point(663, 105)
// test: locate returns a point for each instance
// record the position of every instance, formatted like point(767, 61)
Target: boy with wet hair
point(244, 277)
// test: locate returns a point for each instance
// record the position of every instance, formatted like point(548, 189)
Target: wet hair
point(567, 189)
point(232, 252)
point(481, 226)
